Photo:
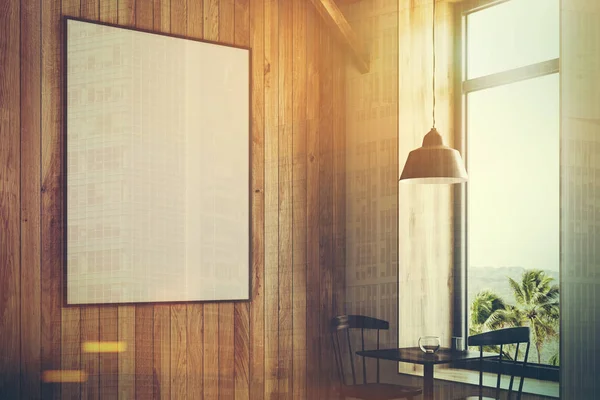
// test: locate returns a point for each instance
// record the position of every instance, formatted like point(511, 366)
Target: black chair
point(502, 337)
point(341, 326)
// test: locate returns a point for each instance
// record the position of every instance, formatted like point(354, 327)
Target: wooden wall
point(275, 346)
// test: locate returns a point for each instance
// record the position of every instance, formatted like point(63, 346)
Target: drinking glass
point(429, 344)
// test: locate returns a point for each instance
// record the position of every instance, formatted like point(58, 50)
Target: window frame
point(460, 323)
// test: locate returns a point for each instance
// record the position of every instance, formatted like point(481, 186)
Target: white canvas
point(158, 205)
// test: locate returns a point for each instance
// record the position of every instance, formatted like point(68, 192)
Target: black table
point(416, 356)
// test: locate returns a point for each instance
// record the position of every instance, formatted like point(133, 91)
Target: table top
point(416, 356)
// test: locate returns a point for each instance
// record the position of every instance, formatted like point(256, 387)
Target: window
point(510, 110)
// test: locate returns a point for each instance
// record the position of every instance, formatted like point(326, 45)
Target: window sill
point(470, 377)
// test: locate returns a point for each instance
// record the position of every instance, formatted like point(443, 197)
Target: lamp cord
point(433, 35)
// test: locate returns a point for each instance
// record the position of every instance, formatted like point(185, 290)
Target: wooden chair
point(340, 326)
point(500, 338)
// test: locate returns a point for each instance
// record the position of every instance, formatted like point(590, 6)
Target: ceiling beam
point(335, 18)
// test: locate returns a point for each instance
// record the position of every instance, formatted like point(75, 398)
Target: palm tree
point(484, 305)
point(537, 306)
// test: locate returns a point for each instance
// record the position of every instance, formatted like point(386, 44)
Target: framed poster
point(158, 167)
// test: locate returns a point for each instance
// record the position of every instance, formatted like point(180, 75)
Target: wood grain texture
point(126, 324)
point(210, 348)
point(71, 337)
point(31, 93)
point(325, 207)
point(339, 182)
point(194, 351)
point(10, 199)
point(108, 363)
point(90, 362)
point(109, 11)
point(179, 343)
point(285, 273)
point(144, 352)
point(299, 193)
point(126, 12)
point(271, 198)
point(162, 351)
point(257, 305)
point(313, 275)
point(51, 207)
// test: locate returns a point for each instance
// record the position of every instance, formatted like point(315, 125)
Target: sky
point(513, 139)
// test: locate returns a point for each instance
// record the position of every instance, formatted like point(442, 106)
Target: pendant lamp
point(434, 162)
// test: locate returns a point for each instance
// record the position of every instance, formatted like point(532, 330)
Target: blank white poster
point(158, 203)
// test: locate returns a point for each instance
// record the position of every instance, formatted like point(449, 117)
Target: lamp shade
point(434, 163)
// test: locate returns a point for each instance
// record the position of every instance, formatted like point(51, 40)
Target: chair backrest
point(340, 327)
point(502, 337)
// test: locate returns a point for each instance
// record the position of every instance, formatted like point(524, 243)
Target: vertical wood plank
point(90, 362)
point(195, 312)
point(144, 352)
point(257, 306)
point(126, 12)
point(195, 352)
point(325, 204)
point(52, 218)
point(226, 21)
point(285, 273)
point(31, 93)
point(339, 180)
point(211, 19)
point(178, 351)
point(10, 197)
point(211, 351)
point(242, 310)
point(162, 15)
point(226, 353)
point(109, 365)
point(90, 9)
point(312, 204)
point(211, 310)
point(271, 198)
point(299, 175)
point(71, 351)
point(109, 11)
point(144, 14)
point(126, 314)
point(127, 359)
